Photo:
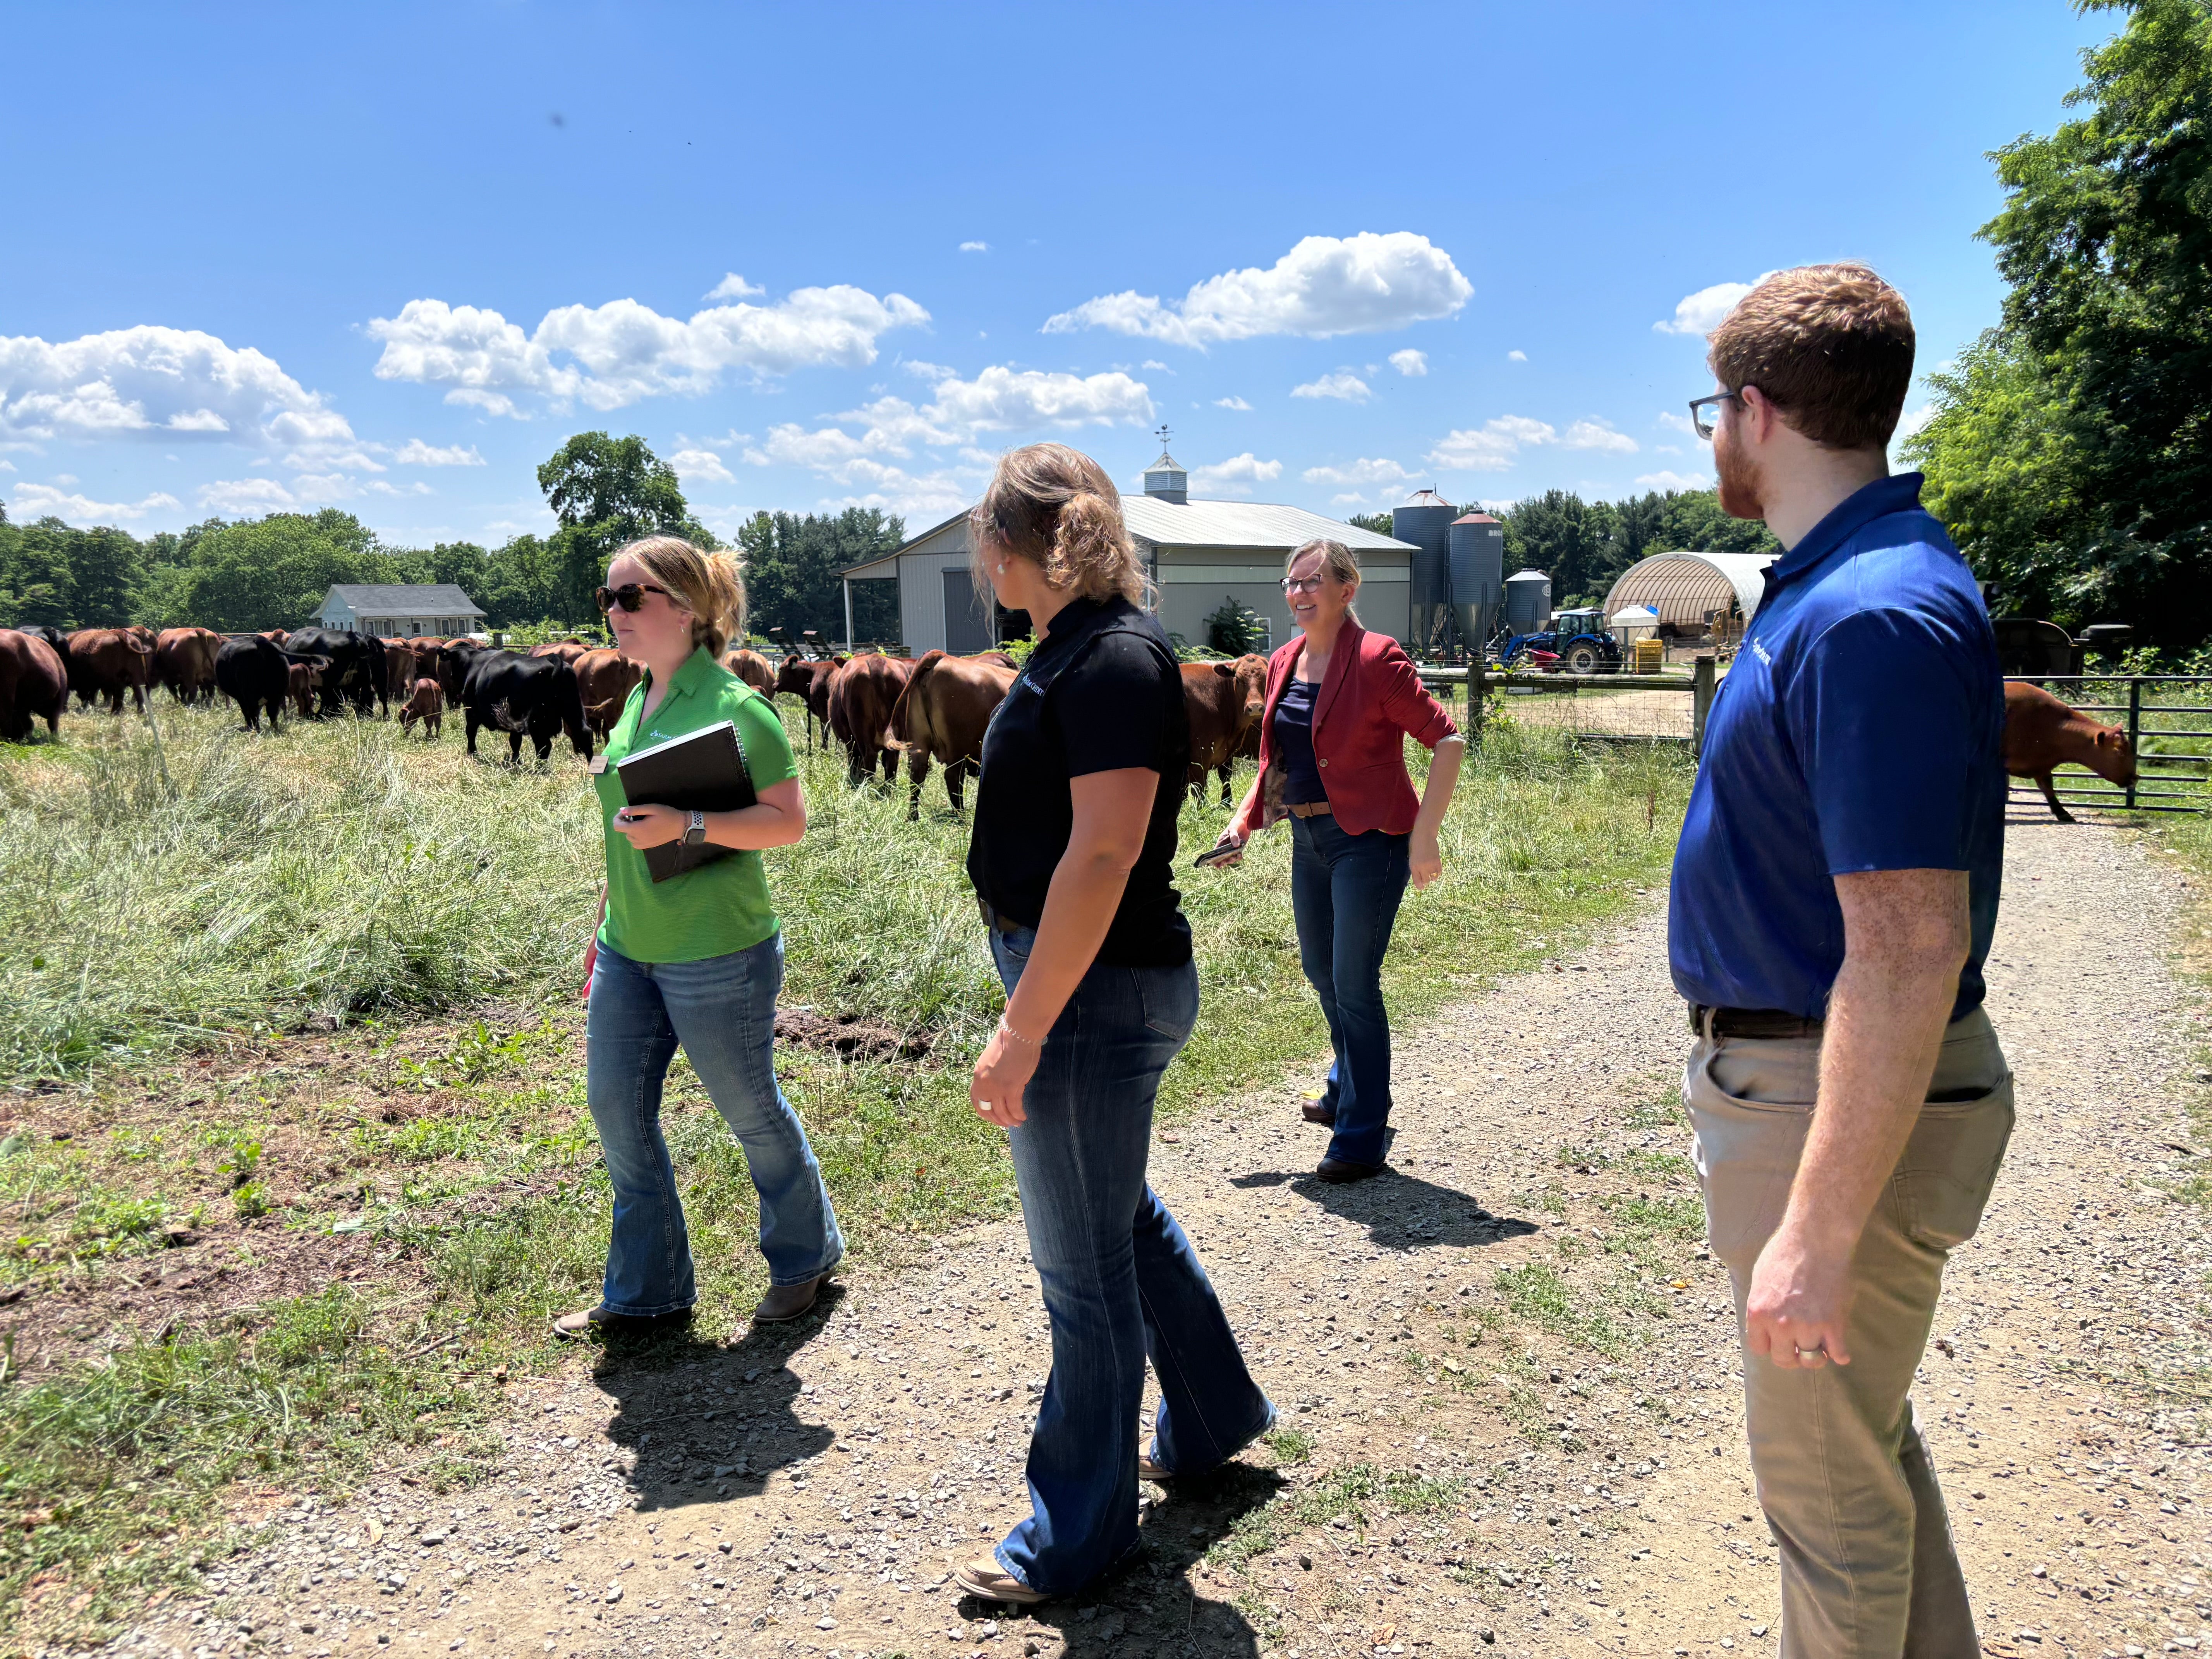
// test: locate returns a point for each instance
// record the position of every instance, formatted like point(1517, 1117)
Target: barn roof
point(1682, 587)
point(403, 599)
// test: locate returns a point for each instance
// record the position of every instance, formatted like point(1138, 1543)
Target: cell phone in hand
point(1213, 855)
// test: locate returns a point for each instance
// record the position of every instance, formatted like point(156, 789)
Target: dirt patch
point(849, 1036)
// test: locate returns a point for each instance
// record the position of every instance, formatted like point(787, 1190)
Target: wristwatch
point(694, 833)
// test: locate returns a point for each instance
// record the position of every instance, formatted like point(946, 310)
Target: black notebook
point(703, 771)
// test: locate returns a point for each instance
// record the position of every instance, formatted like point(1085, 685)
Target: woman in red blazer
point(1341, 702)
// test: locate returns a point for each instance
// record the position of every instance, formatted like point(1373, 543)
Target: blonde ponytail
point(707, 585)
point(1056, 507)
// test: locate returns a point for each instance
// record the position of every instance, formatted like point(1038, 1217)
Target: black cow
point(356, 673)
point(254, 673)
point(52, 637)
point(454, 668)
point(524, 697)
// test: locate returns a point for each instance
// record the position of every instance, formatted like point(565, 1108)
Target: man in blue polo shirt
point(1833, 897)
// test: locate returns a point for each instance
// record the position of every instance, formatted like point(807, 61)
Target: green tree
point(792, 572)
point(107, 566)
point(272, 572)
point(2071, 449)
point(36, 583)
point(606, 491)
point(1377, 522)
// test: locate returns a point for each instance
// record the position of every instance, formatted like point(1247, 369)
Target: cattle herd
point(877, 707)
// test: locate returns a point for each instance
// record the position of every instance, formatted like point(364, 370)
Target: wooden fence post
point(1701, 701)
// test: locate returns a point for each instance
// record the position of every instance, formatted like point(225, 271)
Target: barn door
point(967, 627)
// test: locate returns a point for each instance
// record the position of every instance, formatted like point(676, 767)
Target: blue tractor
point(1576, 642)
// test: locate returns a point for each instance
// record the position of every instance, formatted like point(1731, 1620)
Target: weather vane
point(1163, 437)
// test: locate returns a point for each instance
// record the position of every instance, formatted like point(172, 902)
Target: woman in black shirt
point(1071, 855)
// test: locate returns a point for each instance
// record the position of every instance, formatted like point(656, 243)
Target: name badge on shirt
point(598, 766)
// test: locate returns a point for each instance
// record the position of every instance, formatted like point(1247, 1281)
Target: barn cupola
point(1166, 479)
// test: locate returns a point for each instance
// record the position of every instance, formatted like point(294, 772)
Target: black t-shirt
point(1100, 693)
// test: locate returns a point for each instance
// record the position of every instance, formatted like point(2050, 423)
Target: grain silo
point(1426, 522)
point(1476, 560)
point(1528, 602)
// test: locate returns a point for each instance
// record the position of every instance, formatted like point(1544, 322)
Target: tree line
point(1583, 546)
point(239, 576)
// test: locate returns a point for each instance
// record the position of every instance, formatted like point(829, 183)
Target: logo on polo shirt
point(1758, 650)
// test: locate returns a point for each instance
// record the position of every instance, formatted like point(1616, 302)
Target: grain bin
point(1528, 602)
point(1426, 522)
point(1476, 557)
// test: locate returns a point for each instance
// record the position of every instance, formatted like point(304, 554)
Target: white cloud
point(612, 355)
point(1701, 312)
point(150, 381)
point(1681, 423)
point(931, 372)
point(1666, 449)
point(701, 466)
point(1493, 446)
point(1673, 480)
point(1235, 475)
point(9, 466)
point(1362, 471)
point(1237, 403)
point(1516, 357)
point(1598, 434)
point(416, 453)
point(1344, 385)
point(974, 247)
point(1001, 399)
point(734, 287)
point(240, 496)
point(1325, 286)
point(1155, 363)
point(1349, 498)
point(1410, 362)
point(1913, 420)
point(39, 501)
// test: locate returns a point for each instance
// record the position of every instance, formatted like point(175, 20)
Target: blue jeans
point(1344, 891)
point(1121, 1281)
point(722, 1010)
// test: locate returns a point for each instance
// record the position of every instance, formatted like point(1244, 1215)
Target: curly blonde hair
point(707, 585)
point(1056, 507)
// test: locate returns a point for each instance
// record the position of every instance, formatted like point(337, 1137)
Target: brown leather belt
point(1308, 808)
point(1770, 1023)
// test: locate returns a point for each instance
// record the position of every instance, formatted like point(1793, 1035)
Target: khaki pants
point(1868, 1569)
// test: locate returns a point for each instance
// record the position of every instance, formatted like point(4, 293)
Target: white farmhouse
point(399, 610)
point(1197, 553)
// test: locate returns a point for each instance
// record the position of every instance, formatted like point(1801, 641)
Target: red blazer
point(1370, 700)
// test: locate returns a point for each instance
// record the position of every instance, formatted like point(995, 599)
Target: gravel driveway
point(1508, 1376)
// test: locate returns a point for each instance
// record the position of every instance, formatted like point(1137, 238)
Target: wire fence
point(2168, 721)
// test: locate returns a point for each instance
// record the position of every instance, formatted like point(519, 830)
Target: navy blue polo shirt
point(1859, 728)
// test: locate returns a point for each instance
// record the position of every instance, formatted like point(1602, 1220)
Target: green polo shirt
point(720, 907)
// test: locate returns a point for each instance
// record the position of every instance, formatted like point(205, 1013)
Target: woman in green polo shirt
point(696, 960)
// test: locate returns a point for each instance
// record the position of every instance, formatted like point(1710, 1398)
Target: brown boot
point(985, 1580)
point(585, 1320)
point(785, 1302)
point(1337, 1171)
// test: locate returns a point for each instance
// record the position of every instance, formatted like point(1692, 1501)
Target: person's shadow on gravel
point(1399, 1211)
point(1152, 1607)
point(711, 1420)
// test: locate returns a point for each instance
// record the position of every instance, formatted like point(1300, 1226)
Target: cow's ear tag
point(598, 765)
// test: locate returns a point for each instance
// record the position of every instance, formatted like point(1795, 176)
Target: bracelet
point(1013, 1036)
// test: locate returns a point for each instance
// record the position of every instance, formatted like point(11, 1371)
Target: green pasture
point(340, 912)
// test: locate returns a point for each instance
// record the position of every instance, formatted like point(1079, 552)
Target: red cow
point(429, 652)
point(809, 678)
point(33, 685)
point(862, 694)
point(2042, 733)
point(752, 668)
point(425, 703)
point(106, 662)
point(1224, 702)
point(605, 680)
point(301, 682)
point(184, 661)
point(941, 715)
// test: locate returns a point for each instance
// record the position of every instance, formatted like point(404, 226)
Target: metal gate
point(2168, 720)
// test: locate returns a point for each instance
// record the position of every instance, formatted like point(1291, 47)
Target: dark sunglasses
point(628, 596)
point(1706, 412)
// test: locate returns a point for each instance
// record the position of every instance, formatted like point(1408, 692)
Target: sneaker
point(986, 1581)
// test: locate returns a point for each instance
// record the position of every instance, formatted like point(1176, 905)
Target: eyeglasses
point(1704, 412)
point(628, 596)
point(1303, 584)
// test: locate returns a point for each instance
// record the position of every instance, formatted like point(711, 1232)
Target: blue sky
point(388, 257)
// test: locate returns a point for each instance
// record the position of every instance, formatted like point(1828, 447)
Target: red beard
point(1741, 489)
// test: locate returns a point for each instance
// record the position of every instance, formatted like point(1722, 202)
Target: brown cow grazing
point(184, 661)
point(752, 668)
point(425, 703)
point(106, 662)
point(605, 680)
point(2042, 733)
point(33, 685)
point(301, 682)
point(941, 715)
point(1224, 701)
point(863, 692)
point(809, 678)
point(429, 652)
point(566, 650)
